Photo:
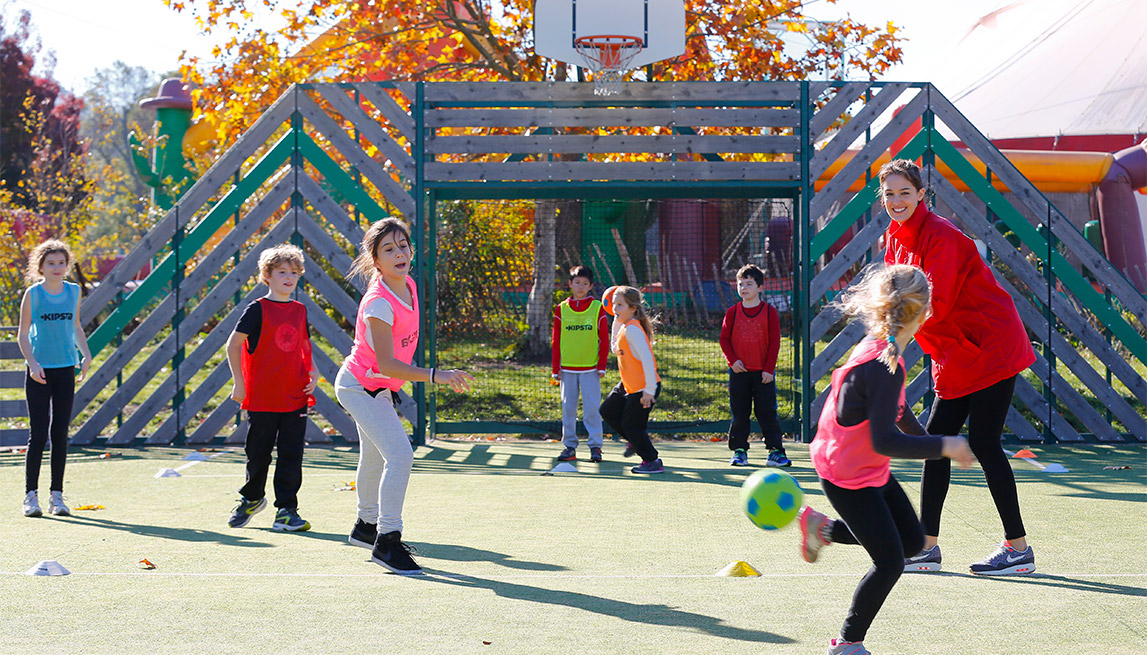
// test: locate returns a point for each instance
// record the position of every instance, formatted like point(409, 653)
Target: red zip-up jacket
point(974, 336)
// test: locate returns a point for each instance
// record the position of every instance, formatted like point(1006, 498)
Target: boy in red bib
point(751, 341)
point(270, 358)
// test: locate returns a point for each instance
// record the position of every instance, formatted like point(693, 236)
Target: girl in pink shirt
point(865, 422)
point(385, 340)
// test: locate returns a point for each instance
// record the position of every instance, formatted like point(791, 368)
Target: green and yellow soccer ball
point(771, 498)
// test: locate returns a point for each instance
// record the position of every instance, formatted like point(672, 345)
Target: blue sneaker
point(777, 458)
point(739, 458)
point(1006, 561)
point(288, 519)
point(243, 512)
point(651, 466)
point(568, 454)
point(926, 561)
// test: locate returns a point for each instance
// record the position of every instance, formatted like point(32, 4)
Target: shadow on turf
point(638, 613)
point(180, 534)
point(457, 553)
point(1063, 582)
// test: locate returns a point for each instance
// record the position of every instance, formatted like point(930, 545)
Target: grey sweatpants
point(385, 456)
point(588, 383)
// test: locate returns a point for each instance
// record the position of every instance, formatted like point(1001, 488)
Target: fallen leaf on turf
point(347, 486)
point(146, 565)
point(1116, 468)
point(487, 642)
point(110, 455)
point(89, 507)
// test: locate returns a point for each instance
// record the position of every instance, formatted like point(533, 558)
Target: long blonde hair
point(634, 299)
point(36, 258)
point(885, 299)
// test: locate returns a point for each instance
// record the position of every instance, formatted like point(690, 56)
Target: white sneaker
point(56, 504)
point(32, 504)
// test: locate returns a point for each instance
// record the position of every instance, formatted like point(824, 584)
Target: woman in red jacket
point(978, 346)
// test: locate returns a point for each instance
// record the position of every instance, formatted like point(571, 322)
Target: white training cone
point(47, 567)
point(195, 456)
point(168, 473)
point(1055, 468)
point(562, 467)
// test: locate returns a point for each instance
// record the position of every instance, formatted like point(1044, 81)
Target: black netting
point(682, 254)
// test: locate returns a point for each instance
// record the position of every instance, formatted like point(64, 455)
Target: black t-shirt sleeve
point(250, 324)
point(870, 391)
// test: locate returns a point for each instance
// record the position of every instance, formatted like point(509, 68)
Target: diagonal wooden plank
point(219, 376)
point(370, 129)
point(855, 128)
point(336, 415)
point(356, 156)
point(330, 290)
point(1060, 428)
point(1064, 312)
point(220, 294)
point(328, 329)
point(198, 358)
point(834, 108)
point(857, 247)
point(195, 280)
point(1002, 168)
point(323, 243)
point(396, 115)
point(869, 153)
point(221, 417)
point(191, 201)
point(837, 348)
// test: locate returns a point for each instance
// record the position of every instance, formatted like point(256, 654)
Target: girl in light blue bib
point(53, 344)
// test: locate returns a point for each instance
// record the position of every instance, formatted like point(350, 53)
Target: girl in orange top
point(626, 408)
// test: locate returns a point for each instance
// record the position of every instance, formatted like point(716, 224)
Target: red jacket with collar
point(974, 336)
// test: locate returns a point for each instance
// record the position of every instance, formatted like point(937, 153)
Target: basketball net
point(608, 56)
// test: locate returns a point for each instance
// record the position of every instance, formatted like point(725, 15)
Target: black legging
point(49, 414)
point(882, 520)
point(624, 414)
point(984, 411)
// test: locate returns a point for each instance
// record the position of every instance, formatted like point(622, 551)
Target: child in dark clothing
point(751, 340)
point(865, 422)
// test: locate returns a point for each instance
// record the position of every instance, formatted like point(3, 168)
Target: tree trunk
point(539, 307)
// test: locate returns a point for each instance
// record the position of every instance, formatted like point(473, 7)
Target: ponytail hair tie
point(891, 340)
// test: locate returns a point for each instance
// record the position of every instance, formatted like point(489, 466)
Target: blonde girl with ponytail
point(865, 422)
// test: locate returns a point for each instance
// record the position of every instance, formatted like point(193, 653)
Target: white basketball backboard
point(660, 24)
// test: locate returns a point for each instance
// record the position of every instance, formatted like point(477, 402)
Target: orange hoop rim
point(613, 51)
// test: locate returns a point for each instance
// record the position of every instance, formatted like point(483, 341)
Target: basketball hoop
point(608, 55)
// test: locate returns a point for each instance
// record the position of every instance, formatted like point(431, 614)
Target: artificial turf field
point(601, 561)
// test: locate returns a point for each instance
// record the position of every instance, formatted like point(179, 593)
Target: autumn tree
point(44, 191)
point(472, 40)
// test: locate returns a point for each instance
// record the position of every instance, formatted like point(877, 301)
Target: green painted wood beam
point(1030, 236)
point(855, 208)
point(190, 244)
point(339, 179)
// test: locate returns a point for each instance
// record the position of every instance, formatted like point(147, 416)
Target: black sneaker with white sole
point(363, 535)
point(390, 552)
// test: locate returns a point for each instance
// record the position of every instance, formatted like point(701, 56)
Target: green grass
point(596, 562)
point(692, 369)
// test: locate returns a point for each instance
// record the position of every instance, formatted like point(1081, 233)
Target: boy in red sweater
point(580, 343)
point(751, 340)
point(270, 358)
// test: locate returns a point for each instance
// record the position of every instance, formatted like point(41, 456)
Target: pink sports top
point(362, 361)
point(844, 455)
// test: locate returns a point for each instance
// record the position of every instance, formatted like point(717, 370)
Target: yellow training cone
point(738, 569)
